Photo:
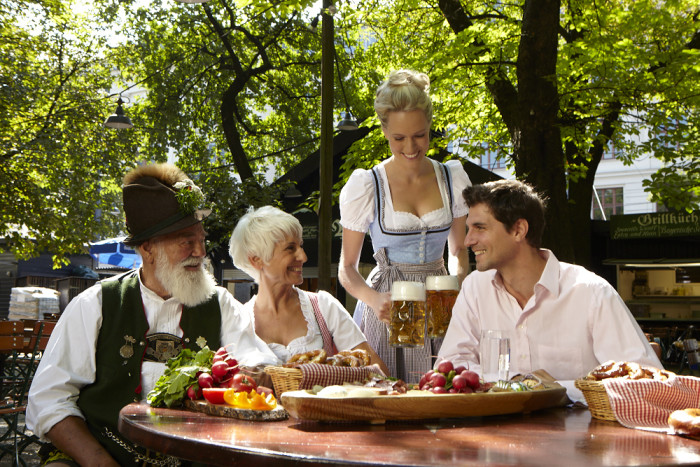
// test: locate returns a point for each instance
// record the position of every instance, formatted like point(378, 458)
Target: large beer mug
point(441, 293)
point(407, 327)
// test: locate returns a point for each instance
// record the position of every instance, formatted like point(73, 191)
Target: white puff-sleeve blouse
point(357, 199)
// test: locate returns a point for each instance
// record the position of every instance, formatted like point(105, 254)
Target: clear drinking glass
point(494, 354)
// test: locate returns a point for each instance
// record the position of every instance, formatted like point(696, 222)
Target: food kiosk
point(656, 257)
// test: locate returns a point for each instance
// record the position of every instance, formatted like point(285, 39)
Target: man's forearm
point(71, 435)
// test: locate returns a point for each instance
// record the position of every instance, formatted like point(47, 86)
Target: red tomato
point(214, 395)
point(243, 383)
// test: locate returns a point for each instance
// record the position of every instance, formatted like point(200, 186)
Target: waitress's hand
point(381, 305)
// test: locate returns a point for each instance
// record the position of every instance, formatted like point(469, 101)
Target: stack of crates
point(32, 303)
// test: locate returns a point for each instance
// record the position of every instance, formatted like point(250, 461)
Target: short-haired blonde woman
point(411, 206)
point(267, 244)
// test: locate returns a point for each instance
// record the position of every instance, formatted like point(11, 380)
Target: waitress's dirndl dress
point(405, 247)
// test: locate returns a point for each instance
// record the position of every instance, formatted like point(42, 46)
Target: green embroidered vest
point(118, 379)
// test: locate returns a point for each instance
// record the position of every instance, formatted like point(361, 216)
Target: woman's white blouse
point(357, 200)
point(346, 334)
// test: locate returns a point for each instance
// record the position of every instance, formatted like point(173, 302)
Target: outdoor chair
point(21, 345)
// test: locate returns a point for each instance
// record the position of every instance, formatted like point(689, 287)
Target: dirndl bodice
point(405, 254)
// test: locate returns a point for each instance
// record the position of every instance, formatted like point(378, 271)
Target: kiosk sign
point(661, 224)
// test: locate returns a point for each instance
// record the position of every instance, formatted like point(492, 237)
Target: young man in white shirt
point(560, 317)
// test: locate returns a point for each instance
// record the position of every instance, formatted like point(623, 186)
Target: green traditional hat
point(160, 199)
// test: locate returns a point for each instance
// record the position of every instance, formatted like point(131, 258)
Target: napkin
point(328, 375)
point(645, 404)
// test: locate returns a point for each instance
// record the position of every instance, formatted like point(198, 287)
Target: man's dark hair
point(508, 201)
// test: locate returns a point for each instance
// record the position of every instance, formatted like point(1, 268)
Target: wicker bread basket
point(284, 379)
point(596, 398)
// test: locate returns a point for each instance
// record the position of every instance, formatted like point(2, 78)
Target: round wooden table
point(561, 436)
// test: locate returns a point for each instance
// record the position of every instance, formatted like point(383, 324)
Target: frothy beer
point(407, 328)
point(441, 293)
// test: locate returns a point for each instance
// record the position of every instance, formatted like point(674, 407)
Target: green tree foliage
point(232, 90)
point(552, 85)
point(60, 169)
point(233, 94)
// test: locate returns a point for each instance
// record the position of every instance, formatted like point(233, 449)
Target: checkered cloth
point(328, 375)
point(645, 404)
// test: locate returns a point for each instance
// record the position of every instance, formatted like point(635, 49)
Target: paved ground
point(29, 456)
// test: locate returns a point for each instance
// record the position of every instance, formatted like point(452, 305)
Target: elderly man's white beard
point(191, 288)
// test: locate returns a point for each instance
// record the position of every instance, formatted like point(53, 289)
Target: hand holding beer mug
point(407, 327)
point(441, 293)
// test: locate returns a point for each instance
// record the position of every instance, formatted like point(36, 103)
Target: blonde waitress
point(411, 206)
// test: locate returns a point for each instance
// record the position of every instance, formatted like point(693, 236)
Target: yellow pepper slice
point(250, 400)
point(238, 400)
point(262, 402)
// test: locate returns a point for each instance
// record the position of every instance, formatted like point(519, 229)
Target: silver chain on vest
point(138, 457)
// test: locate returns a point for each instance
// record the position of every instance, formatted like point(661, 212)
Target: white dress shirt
point(574, 321)
point(68, 364)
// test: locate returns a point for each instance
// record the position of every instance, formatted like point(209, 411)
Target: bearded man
point(111, 343)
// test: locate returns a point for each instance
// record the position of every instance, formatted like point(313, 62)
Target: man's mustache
point(191, 262)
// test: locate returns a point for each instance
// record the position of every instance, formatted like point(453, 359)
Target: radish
point(219, 370)
point(445, 367)
point(205, 380)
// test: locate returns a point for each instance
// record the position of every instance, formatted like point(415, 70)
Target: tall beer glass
point(407, 328)
point(441, 293)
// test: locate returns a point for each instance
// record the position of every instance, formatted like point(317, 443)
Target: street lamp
point(348, 123)
point(118, 119)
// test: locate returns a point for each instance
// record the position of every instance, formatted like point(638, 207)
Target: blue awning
point(113, 252)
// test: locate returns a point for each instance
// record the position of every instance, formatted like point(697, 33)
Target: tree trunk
point(530, 112)
point(581, 188)
point(539, 158)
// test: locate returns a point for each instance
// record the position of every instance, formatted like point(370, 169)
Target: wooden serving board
point(306, 406)
point(221, 410)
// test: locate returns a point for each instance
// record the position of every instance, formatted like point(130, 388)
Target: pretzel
point(360, 354)
point(685, 422)
point(313, 356)
point(351, 358)
point(627, 370)
point(344, 360)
